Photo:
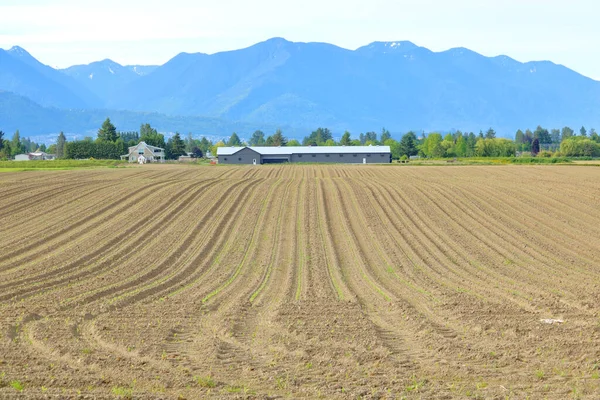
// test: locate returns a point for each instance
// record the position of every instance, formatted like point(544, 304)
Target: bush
point(579, 146)
point(545, 154)
point(99, 150)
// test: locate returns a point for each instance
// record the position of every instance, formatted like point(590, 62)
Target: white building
point(36, 155)
point(144, 153)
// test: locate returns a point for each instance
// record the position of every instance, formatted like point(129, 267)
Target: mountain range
point(299, 86)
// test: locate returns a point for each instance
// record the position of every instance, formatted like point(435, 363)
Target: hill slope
point(398, 85)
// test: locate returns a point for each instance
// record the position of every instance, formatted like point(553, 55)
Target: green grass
point(122, 392)
point(51, 165)
point(205, 381)
point(18, 386)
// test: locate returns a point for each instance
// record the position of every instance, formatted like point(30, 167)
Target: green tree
point(432, 146)
point(293, 142)
point(555, 136)
point(579, 146)
point(61, 143)
point(197, 152)
point(151, 136)
point(565, 133)
point(278, 139)
point(394, 148)
point(345, 140)
point(542, 135)
point(234, 140)
point(583, 131)
point(1, 140)
point(215, 147)
point(490, 134)
point(257, 139)
point(594, 135)
point(318, 137)
point(385, 135)
point(190, 143)
point(176, 147)
point(205, 145)
point(519, 137)
point(471, 140)
point(408, 144)
point(461, 146)
point(16, 145)
point(108, 132)
point(495, 148)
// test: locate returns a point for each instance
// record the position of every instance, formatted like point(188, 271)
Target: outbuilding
point(307, 154)
point(36, 155)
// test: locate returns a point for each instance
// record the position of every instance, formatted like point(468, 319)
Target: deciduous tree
point(257, 139)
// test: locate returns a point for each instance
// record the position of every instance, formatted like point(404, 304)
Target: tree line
point(111, 144)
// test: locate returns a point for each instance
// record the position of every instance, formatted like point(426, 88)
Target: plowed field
point(300, 282)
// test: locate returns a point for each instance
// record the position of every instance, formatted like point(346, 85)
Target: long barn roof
point(287, 150)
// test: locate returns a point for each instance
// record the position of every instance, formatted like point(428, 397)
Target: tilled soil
point(300, 281)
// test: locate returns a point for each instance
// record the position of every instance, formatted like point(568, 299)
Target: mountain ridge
point(396, 84)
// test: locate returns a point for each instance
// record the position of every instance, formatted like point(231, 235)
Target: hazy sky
point(61, 33)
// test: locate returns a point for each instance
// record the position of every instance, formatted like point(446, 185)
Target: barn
point(308, 154)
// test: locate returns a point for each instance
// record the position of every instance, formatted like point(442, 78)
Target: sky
point(62, 33)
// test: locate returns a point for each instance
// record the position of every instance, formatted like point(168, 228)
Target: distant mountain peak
point(19, 51)
point(389, 47)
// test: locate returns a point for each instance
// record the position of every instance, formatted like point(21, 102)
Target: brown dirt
point(166, 281)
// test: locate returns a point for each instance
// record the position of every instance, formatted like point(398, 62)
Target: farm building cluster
point(305, 154)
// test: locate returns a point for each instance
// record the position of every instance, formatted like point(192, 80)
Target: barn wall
point(352, 158)
point(244, 156)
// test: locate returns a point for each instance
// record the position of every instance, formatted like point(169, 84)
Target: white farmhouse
point(143, 153)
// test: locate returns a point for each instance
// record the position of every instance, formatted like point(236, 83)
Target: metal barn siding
point(305, 154)
point(245, 156)
point(343, 158)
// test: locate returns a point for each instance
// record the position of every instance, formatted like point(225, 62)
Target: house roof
point(275, 151)
point(146, 145)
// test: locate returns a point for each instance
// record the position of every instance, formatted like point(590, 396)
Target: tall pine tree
point(61, 143)
point(108, 132)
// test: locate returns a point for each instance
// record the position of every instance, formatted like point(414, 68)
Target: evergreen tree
point(177, 147)
point(205, 145)
point(318, 137)
point(234, 140)
point(278, 139)
point(1, 140)
point(385, 135)
point(542, 134)
point(189, 143)
point(345, 141)
point(408, 144)
point(16, 145)
point(108, 132)
point(583, 131)
point(197, 152)
point(60, 145)
point(490, 134)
